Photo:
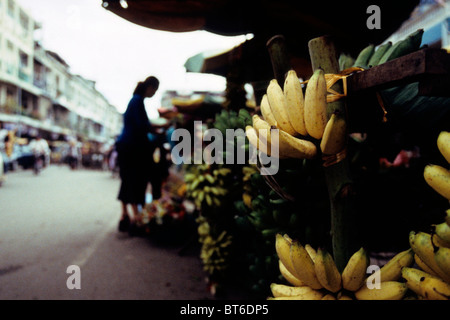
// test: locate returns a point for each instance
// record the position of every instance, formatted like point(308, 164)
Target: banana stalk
point(323, 55)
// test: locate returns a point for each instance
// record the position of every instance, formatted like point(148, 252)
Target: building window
point(23, 60)
point(10, 65)
point(11, 7)
point(24, 23)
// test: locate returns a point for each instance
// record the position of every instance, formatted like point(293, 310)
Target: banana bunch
point(432, 252)
point(247, 172)
point(312, 274)
point(287, 110)
point(263, 268)
point(437, 176)
point(300, 118)
point(270, 216)
point(372, 56)
point(232, 120)
point(206, 186)
point(215, 251)
point(431, 280)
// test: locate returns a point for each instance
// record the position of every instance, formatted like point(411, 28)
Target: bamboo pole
point(324, 55)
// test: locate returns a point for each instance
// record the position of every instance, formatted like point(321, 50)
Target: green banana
point(345, 61)
point(403, 47)
point(364, 56)
point(376, 57)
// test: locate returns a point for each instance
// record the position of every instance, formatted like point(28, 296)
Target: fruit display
point(215, 250)
point(311, 274)
point(278, 232)
point(419, 272)
point(205, 185)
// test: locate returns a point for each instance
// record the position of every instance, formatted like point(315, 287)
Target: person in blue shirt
point(135, 147)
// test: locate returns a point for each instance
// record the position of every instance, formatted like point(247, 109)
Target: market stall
point(360, 147)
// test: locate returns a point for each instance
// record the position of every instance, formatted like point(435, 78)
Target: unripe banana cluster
point(372, 56)
point(215, 251)
point(206, 186)
point(263, 269)
point(300, 118)
point(232, 120)
point(270, 216)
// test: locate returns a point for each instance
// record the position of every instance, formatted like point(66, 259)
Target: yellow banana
point(435, 289)
point(303, 265)
point(334, 135)
point(443, 143)
point(354, 274)
point(343, 296)
point(328, 296)
point(253, 138)
point(442, 258)
point(447, 218)
point(392, 270)
point(288, 276)
point(262, 127)
point(277, 102)
point(442, 230)
point(295, 102)
point(316, 104)
point(423, 247)
point(413, 276)
point(283, 250)
point(281, 290)
point(389, 290)
point(439, 242)
point(292, 147)
point(438, 178)
point(307, 295)
point(266, 111)
point(423, 266)
point(288, 146)
point(425, 284)
point(326, 271)
point(311, 251)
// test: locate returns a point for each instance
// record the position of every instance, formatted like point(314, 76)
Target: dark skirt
point(135, 165)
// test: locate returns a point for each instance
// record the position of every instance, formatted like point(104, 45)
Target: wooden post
point(279, 58)
point(324, 55)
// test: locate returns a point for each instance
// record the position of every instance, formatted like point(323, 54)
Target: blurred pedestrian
point(41, 151)
point(74, 154)
point(135, 147)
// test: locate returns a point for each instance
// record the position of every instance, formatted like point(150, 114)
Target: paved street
point(62, 218)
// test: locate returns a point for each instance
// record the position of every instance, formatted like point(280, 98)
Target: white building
point(433, 16)
point(38, 91)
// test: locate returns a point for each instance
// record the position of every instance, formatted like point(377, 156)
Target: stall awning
point(299, 21)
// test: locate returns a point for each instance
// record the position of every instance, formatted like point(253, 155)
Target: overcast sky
point(115, 53)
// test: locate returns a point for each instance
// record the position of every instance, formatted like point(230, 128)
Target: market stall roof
point(251, 57)
point(298, 21)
